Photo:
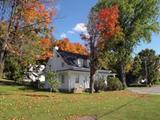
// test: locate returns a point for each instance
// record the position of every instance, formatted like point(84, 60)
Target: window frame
point(77, 80)
point(62, 79)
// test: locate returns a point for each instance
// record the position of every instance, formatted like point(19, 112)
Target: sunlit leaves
point(46, 45)
point(108, 23)
point(67, 45)
point(36, 11)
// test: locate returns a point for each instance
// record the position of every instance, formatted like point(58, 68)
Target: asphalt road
point(146, 90)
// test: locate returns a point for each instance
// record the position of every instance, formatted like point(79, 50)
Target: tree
point(66, 45)
point(22, 25)
point(138, 19)
point(110, 60)
point(47, 46)
point(102, 26)
point(137, 68)
point(13, 69)
point(150, 66)
point(52, 79)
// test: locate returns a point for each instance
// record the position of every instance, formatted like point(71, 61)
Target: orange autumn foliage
point(108, 24)
point(46, 45)
point(36, 10)
point(67, 45)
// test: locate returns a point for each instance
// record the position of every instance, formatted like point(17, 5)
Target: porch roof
point(86, 70)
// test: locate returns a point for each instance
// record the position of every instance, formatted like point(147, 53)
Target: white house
point(73, 70)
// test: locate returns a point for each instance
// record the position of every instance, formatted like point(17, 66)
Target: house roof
point(70, 58)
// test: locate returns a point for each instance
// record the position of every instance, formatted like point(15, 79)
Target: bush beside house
point(114, 84)
point(100, 85)
point(110, 84)
point(52, 79)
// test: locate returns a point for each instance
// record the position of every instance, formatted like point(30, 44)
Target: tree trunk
point(1, 69)
point(91, 84)
point(1, 63)
point(123, 75)
point(92, 67)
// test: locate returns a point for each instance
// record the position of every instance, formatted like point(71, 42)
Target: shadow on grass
point(137, 85)
point(23, 86)
point(118, 108)
point(27, 94)
point(9, 82)
point(35, 95)
point(30, 88)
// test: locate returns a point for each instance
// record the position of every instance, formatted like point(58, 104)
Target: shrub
point(114, 84)
point(52, 79)
point(157, 82)
point(99, 85)
point(13, 69)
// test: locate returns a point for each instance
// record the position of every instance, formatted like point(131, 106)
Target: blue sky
point(73, 13)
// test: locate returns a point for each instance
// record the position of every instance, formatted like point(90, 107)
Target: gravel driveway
point(146, 90)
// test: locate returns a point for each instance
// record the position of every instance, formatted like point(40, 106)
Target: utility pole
point(146, 70)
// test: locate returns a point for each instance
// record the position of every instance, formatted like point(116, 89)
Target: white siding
point(65, 85)
point(83, 79)
point(56, 63)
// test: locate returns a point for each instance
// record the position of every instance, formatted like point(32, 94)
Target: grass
point(19, 103)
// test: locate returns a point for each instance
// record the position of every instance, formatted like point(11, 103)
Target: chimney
point(56, 48)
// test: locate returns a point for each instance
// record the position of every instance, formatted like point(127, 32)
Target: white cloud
point(63, 35)
point(80, 27)
point(71, 32)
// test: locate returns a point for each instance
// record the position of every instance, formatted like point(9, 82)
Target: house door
point(77, 84)
point(86, 82)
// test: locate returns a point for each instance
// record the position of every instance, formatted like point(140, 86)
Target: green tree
point(150, 65)
point(137, 66)
point(138, 20)
point(52, 79)
point(136, 69)
point(13, 69)
point(110, 61)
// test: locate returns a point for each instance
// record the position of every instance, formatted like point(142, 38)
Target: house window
point(88, 63)
point(62, 64)
point(85, 63)
point(80, 62)
point(62, 78)
point(77, 79)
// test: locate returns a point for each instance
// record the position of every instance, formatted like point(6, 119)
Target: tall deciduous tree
point(138, 19)
point(22, 24)
point(102, 26)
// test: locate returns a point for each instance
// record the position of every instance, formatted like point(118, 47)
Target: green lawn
point(18, 103)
